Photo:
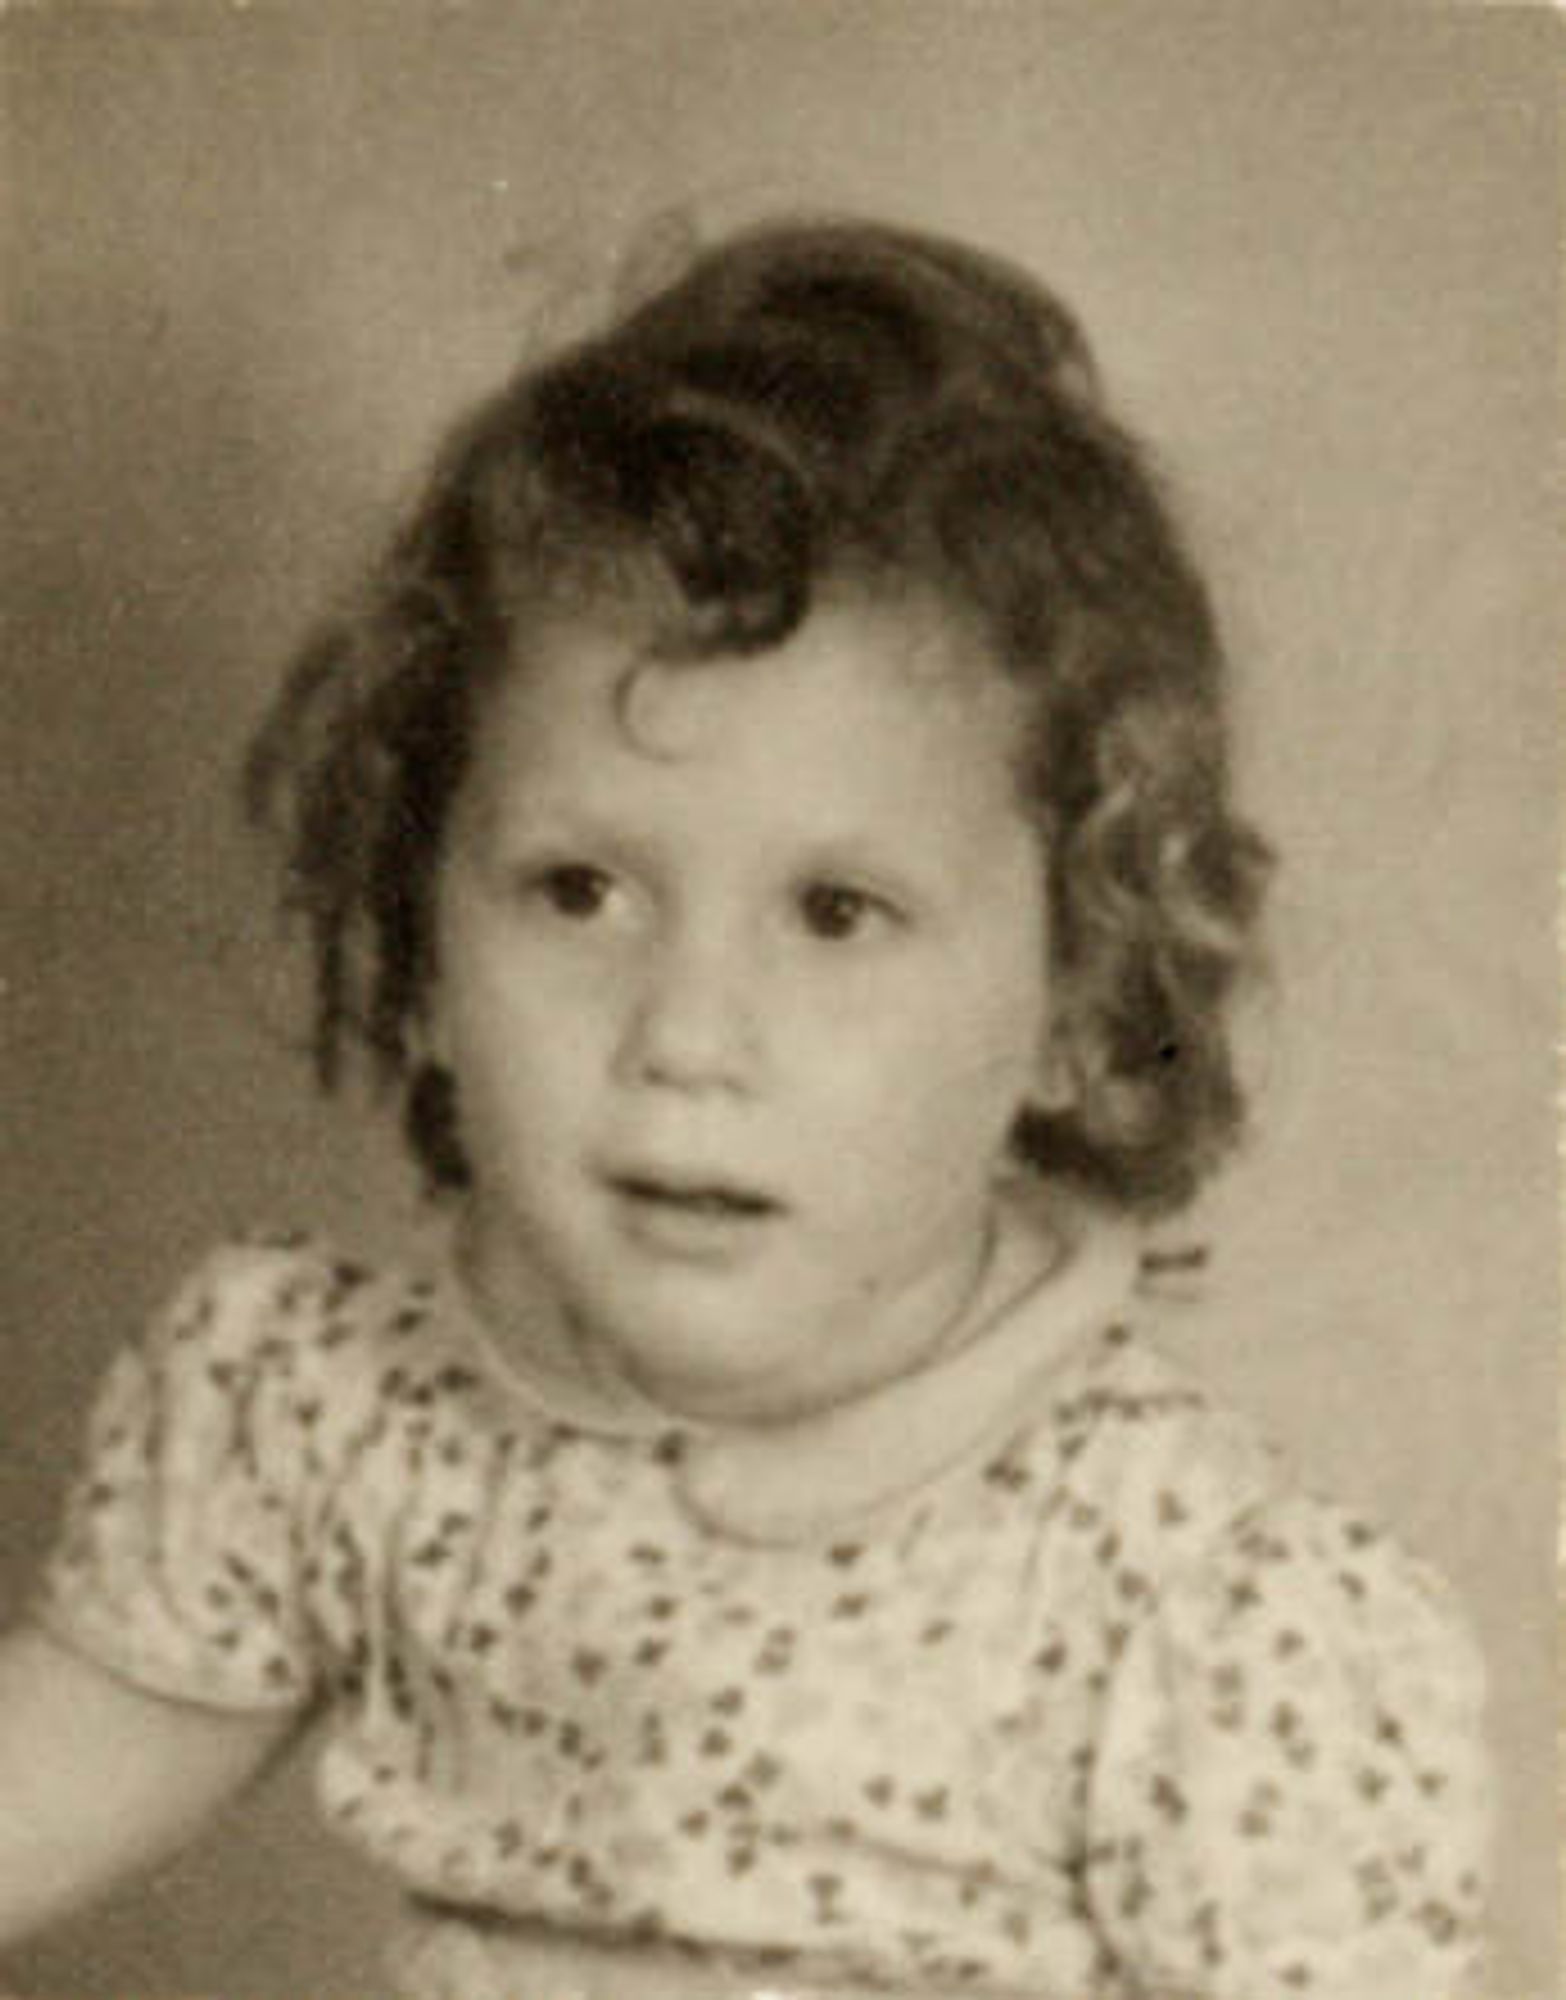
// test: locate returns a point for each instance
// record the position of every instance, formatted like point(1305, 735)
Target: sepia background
point(257, 255)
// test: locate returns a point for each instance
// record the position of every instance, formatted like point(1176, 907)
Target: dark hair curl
point(812, 403)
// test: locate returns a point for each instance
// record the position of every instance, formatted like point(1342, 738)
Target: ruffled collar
point(811, 1477)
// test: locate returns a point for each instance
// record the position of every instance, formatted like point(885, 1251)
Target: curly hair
point(811, 404)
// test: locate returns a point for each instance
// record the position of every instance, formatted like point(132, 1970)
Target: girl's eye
point(833, 910)
point(574, 888)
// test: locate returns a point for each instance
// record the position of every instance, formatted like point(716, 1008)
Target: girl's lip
point(688, 1194)
point(706, 1223)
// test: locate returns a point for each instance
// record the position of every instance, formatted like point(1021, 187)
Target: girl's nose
point(693, 1026)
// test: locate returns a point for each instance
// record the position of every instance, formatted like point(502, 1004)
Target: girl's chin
point(800, 1383)
point(683, 1388)
point(723, 1373)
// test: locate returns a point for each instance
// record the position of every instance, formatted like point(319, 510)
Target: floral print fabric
point(1105, 1709)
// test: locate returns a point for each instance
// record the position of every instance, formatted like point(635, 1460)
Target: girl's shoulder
point(211, 1442)
point(289, 1318)
point(277, 1294)
point(1135, 1435)
point(1205, 1524)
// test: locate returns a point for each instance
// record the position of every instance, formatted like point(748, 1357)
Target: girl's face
point(742, 974)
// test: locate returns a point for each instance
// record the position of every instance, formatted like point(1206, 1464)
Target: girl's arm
point(98, 1778)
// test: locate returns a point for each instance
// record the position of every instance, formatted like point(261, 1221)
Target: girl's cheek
point(509, 943)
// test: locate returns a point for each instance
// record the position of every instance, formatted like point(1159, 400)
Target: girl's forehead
point(872, 727)
point(909, 671)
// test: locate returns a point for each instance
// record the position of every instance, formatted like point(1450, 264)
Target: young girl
point(769, 821)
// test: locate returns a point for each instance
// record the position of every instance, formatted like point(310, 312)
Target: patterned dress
point(1031, 1674)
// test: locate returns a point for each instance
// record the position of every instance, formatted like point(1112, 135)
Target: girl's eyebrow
point(506, 802)
point(862, 861)
point(534, 823)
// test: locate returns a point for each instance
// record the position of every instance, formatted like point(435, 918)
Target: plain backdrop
point(258, 255)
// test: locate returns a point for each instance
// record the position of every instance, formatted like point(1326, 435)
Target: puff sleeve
point(1290, 1799)
point(178, 1565)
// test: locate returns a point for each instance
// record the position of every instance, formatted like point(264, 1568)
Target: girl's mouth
point(716, 1201)
point(706, 1224)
